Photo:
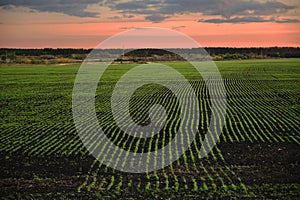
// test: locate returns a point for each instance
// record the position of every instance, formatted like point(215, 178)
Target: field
point(257, 156)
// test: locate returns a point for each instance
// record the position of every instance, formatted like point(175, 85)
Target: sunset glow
point(85, 25)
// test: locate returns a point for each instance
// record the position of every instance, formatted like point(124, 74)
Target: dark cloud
point(225, 8)
point(288, 21)
point(127, 27)
point(142, 28)
point(156, 18)
point(178, 27)
point(247, 20)
point(115, 18)
point(128, 16)
point(136, 7)
point(69, 7)
point(131, 5)
point(230, 11)
point(222, 11)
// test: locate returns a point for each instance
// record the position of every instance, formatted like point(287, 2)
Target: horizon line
point(37, 48)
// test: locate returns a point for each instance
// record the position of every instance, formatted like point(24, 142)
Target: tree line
point(71, 55)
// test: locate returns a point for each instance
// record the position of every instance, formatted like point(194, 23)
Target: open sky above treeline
point(212, 23)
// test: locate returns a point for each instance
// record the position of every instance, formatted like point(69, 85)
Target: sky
point(212, 23)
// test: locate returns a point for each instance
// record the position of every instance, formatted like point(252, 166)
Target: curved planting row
point(261, 107)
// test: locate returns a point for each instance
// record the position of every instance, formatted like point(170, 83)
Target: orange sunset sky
point(84, 24)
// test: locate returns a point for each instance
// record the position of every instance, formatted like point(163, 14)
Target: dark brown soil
point(256, 164)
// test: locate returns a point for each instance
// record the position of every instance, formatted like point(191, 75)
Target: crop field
point(257, 155)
